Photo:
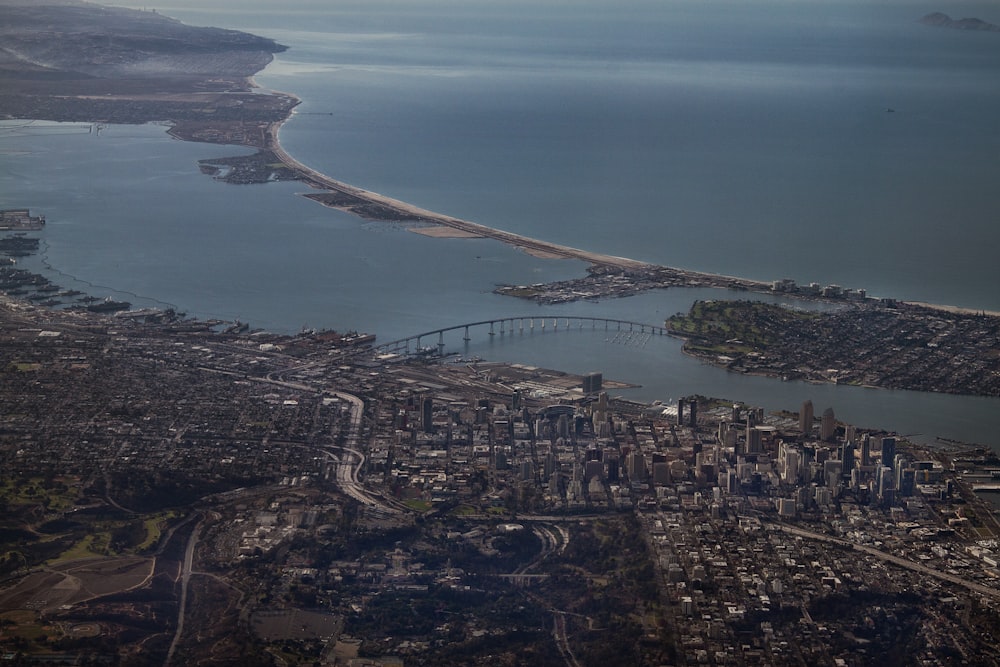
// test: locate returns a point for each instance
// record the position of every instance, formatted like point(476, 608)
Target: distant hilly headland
point(944, 21)
point(68, 60)
point(71, 40)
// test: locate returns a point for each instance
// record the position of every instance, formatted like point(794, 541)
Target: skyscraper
point(828, 425)
point(847, 457)
point(888, 452)
point(806, 418)
point(866, 452)
point(592, 383)
point(427, 414)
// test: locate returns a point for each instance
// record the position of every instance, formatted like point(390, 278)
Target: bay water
point(836, 142)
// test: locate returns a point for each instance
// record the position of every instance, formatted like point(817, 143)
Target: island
point(941, 20)
point(889, 345)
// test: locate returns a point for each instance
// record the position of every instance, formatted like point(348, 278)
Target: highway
point(889, 558)
point(185, 579)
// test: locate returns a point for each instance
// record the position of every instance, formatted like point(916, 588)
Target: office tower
point(907, 482)
point(828, 425)
point(866, 450)
point(551, 465)
point(661, 473)
point(562, 427)
point(888, 452)
point(806, 418)
point(427, 412)
point(613, 466)
point(885, 480)
point(592, 383)
point(832, 472)
point(847, 457)
point(636, 466)
point(723, 431)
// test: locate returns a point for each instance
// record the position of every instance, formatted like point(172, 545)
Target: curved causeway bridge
point(511, 325)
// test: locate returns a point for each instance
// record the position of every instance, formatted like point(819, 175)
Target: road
point(889, 558)
point(185, 579)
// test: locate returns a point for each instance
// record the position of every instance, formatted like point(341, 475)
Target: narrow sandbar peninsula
point(82, 62)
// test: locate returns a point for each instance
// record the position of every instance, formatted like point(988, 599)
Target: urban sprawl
point(181, 490)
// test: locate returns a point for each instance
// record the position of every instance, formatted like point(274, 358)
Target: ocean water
point(748, 138)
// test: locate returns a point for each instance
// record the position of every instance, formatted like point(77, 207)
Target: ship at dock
point(108, 305)
point(20, 219)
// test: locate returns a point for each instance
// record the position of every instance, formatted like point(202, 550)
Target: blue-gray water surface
point(743, 138)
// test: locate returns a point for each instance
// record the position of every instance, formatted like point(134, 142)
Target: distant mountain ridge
point(945, 21)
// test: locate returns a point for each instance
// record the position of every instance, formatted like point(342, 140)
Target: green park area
point(733, 328)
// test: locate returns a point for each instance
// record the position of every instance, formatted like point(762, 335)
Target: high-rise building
point(886, 481)
point(693, 409)
point(551, 465)
point(847, 457)
point(828, 425)
point(806, 418)
point(427, 414)
point(723, 431)
point(661, 473)
point(899, 462)
point(790, 468)
point(592, 383)
point(562, 426)
point(832, 471)
point(613, 469)
point(907, 482)
point(866, 450)
point(636, 466)
point(888, 451)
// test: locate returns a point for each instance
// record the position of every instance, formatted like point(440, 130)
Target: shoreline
point(411, 213)
point(438, 225)
point(235, 110)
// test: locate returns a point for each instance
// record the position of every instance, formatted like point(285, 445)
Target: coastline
point(220, 102)
point(406, 212)
point(336, 194)
point(956, 310)
point(900, 346)
point(439, 225)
